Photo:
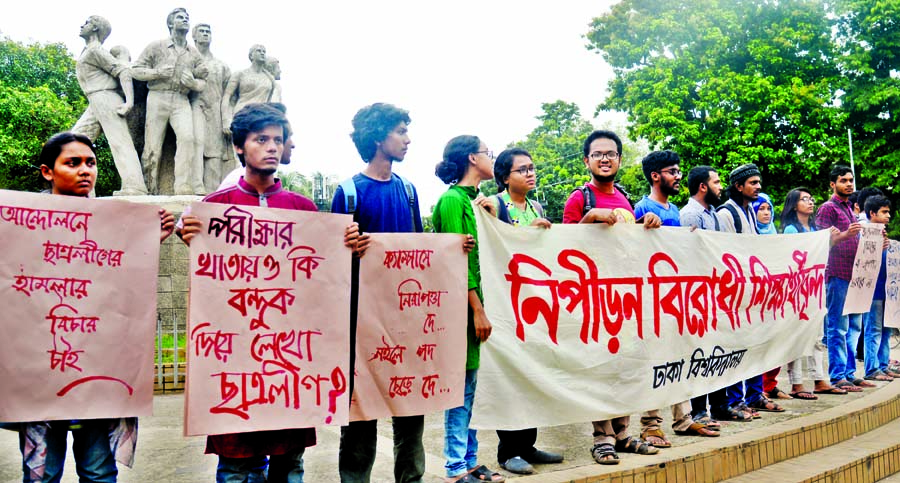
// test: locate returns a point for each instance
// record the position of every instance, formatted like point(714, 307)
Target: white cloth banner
point(593, 322)
point(892, 287)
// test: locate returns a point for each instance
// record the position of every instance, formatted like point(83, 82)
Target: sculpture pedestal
point(174, 264)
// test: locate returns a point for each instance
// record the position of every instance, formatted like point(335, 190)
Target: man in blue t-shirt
point(662, 172)
point(381, 204)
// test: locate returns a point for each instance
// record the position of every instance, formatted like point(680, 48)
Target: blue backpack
point(351, 202)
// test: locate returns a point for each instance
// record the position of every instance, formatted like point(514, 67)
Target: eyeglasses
point(808, 199)
point(598, 156)
point(671, 171)
point(524, 170)
point(489, 153)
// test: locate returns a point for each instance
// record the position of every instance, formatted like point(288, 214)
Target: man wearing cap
point(736, 215)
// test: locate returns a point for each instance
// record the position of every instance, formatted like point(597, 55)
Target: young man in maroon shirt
point(258, 133)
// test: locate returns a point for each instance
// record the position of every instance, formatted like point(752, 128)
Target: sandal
point(747, 409)
point(710, 423)
point(777, 393)
point(655, 437)
point(482, 473)
point(605, 454)
point(698, 429)
point(847, 386)
point(764, 404)
point(733, 414)
point(830, 390)
point(805, 395)
point(635, 445)
point(858, 382)
point(879, 376)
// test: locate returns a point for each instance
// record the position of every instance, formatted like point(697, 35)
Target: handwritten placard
point(866, 266)
point(892, 286)
point(269, 320)
point(78, 291)
point(411, 327)
point(608, 321)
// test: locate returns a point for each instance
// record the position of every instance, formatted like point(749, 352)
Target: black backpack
point(738, 224)
point(590, 201)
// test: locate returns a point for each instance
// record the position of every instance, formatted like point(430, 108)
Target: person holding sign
point(601, 201)
point(258, 134)
point(798, 216)
point(515, 175)
point(877, 336)
point(467, 162)
point(69, 164)
point(841, 331)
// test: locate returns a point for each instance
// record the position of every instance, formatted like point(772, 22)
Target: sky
point(461, 67)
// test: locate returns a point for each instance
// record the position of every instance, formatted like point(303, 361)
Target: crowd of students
point(386, 202)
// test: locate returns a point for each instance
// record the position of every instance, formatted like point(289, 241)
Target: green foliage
point(868, 36)
point(39, 97)
point(727, 82)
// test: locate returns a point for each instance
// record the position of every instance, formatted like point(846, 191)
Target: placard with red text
point(592, 322)
point(411, 327)
point(78, 291)
point(269, 319)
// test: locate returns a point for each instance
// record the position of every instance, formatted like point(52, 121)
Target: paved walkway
point(164, 455)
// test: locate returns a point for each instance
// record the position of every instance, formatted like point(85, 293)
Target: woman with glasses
point(798, 216)
point(467, 162)
point(515, 175)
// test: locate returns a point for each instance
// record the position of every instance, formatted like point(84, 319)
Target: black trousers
point(516, 443)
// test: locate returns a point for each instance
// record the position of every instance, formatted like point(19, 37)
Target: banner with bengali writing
point(78, 291)
point(592, 322)
point(411, 328)
point(269, 319)
point(892, 286)
point(866, 265)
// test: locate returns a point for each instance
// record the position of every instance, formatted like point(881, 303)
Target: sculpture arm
point(128, 89)
point(227, 108)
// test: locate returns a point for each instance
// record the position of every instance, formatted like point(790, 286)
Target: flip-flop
point(804, 395)
point(830, 390)
point(848, 386)
point(482, 473)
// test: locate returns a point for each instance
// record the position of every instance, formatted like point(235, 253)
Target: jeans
point(837, 329)
point(460, 442)
point(94, 460)
point(749, 390)
point(358, 443)
point(285, 468)
point(854, 330)
point(877, 337)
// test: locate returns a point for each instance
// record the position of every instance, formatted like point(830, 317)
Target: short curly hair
point(372, 124)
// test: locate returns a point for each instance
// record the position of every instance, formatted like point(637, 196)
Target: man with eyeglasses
point(664, 175)
point(600, 201)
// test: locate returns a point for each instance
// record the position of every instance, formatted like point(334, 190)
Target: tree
point(40, 96)
point(869, 41)
point(557, 148)
point(727, 82)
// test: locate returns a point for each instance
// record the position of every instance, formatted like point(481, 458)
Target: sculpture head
point(96, 25)
point(202, 33)
point(257, 54)
point(121, 53)
point(274, 67)
point(254, 118)
point(179, 20)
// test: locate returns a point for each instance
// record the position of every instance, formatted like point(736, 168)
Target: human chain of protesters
point(265, 340)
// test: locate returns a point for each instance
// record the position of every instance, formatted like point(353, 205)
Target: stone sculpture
point(100, 74)
point(212, 158)
point(254, 84)
point(172, 69)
